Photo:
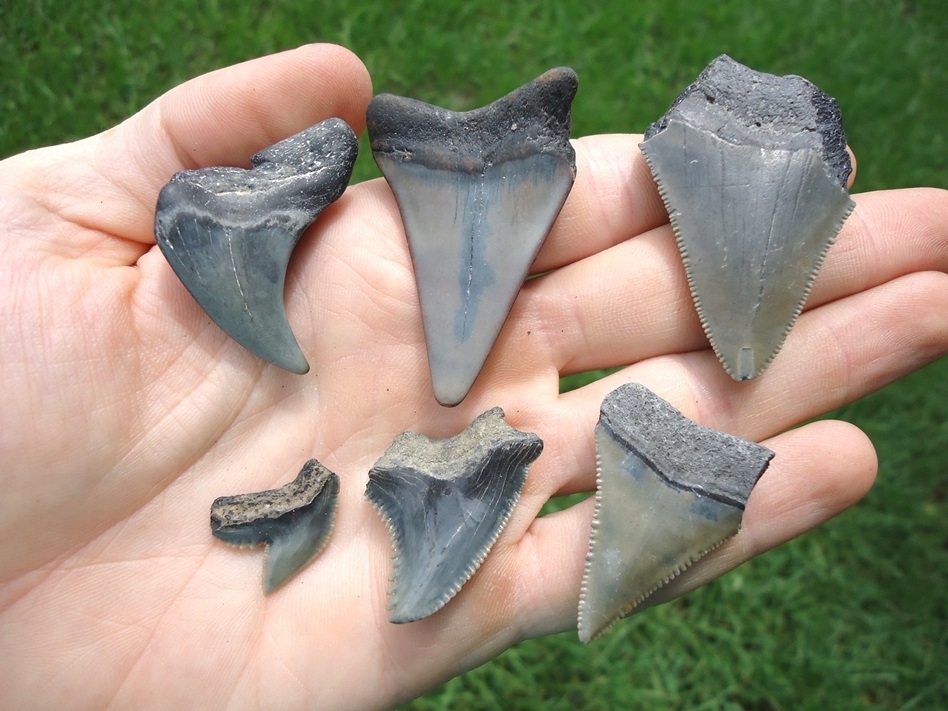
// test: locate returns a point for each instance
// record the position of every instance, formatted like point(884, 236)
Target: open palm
point(126, 411)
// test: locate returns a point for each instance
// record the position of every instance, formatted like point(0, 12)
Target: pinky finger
point(820, 470)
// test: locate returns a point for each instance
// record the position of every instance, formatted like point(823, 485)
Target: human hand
point(127, 411)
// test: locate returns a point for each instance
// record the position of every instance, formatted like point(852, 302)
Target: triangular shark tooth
point(228, 232)
point(667, 491)
point(445, 502)
point(293, 521)
point(752, 169)
point(478, 192)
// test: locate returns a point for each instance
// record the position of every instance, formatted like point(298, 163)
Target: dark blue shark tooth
point(228, 232)
point(293, 521)
point(445, 502)
point(668, 491)
point(752, 168)
point(478, 192)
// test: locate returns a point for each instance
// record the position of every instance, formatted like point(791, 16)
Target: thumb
point(220, 118)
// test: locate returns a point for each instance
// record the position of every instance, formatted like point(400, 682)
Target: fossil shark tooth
point(668, 491)
point(478, 192)
point(752, 169)
point(293, 521)
point(228, 232)
point(445, 502)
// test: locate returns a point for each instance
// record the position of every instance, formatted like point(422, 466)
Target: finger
point(819, 470)
point(613, 199)
point(222, 118)
point(836, 354)
point(889, 234)
point(822, 469)
point(622, 305)
point(110, 182)
point(632, 301)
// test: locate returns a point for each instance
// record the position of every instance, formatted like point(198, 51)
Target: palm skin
point(126, 411)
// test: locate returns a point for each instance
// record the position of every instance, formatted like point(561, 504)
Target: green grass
point(851, 616)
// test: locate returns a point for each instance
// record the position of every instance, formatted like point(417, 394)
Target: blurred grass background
point(851, 616)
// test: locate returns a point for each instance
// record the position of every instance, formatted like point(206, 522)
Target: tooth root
point(478, 193)
point(445, 503)
point(294, 521)
point(228, 233)
point(752, 169)
point(668, 491)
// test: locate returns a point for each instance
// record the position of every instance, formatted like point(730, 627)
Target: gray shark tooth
point(752, 168)
point(293, 521)
point(445, 502)
point(668, 491)
point(228, 232)
point(478, 192)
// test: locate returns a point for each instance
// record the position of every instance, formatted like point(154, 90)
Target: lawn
point(851, 616)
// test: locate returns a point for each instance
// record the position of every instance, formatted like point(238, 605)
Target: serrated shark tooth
point(752, 169)
point(478, 192)
point(293, 521)
point(445, 502)
point(228, 232)
point(667, 491)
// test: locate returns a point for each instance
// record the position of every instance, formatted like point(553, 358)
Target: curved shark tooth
point(228, 232)
point(445, 502)
point(478, 192)
point(667, 491)
point(293, 521)
point(752, 169)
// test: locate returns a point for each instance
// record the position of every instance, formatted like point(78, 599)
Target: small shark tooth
point(293, 521)
point(668, 491)
point(478, 192)
point(228, 232)
point(445, 502)
point(752, 169)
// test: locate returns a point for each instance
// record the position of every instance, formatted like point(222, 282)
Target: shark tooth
point(445, 502)
point(228, 232)
point(294, 521)
point(752, 169)
point(478, 192)
point(667, 491)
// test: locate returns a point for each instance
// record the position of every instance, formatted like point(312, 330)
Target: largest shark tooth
point(294, 521)
point(668, 491)
point(478, 192)
point(752, 168)
point(445, 502)
point(228, 232)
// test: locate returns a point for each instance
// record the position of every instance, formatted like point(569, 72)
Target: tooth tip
point(291, 360)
